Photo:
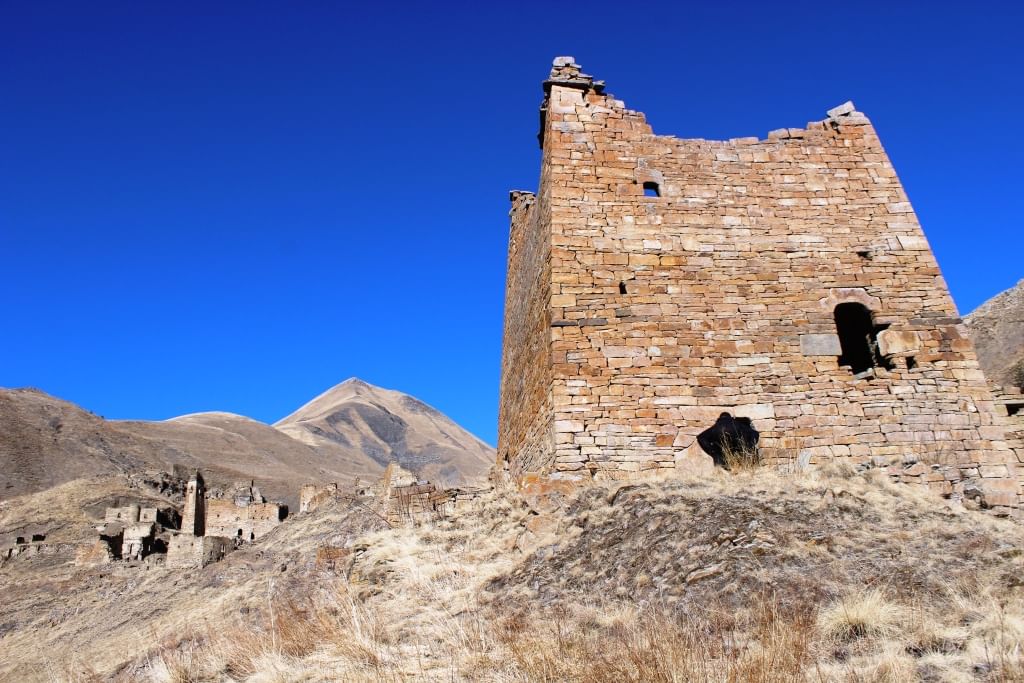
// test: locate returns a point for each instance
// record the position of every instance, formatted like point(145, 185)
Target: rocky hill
point(351, 431)
point(757, 576)
point(997, 328)
point(370, 427)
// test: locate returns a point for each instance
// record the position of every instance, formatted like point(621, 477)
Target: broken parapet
point(567, 73)
point(846, 114)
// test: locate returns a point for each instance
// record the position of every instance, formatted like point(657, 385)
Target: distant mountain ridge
point(349, 432)
point(375, 426)
point(997, 329)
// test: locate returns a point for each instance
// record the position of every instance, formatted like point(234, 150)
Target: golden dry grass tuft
point(859, 614)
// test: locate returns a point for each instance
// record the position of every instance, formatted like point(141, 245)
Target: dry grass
point(739, 457)
point(860, 580)
point(859, 614)
point(421, 607)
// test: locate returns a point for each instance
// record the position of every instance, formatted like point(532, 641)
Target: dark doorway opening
point(858, 338)
point(731, 442)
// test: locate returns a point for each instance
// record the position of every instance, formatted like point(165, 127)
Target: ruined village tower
point(193, 519)
point(655, 282)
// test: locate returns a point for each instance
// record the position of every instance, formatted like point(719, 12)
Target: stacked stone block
point(632, 321)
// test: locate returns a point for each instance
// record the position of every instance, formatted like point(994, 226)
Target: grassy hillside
point(747, 577)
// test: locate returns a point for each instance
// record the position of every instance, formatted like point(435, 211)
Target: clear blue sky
point(234, 206)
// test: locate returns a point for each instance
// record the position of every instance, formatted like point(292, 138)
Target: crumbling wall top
point(565, 71)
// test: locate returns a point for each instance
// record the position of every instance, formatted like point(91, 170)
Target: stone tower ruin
point(655, 283)
point(193, 518)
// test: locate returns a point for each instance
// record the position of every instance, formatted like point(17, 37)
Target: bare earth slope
point(997, 329)
point(230, 447)
point(351, 431)
point(375, 426)
point(45, 441)
point(750, 577)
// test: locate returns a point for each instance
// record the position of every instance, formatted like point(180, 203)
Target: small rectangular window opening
point(651, 189)
point(911, 362)
point(864, 254)
point(622, 288)
point(1014, 408)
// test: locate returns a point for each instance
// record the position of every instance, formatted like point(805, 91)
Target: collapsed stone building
point(130, 532)
point(400, 497)
point(311, 496)
point(656, 283)
point(211, 527)
point(24, 545)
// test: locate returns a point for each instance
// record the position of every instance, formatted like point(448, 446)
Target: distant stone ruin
point(1010, 405)
point(312, 495)
point(655, 283)
point(26, 546)
point(212, 528)
point(404, 499)
point(400, 497)
point(130, 533)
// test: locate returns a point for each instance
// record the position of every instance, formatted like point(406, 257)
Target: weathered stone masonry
point(746, 283)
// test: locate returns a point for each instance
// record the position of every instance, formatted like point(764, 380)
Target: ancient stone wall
point(96, 553)
point(525, 409)
point(188, 550)
point(694, 277)
point(226, 518)
point(1010, 405)
point(126, 514)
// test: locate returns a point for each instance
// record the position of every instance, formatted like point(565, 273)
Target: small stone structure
point(129, 533)
point(405, 499)
point(399, 496)
point(246, 516)
point(28, 545)
point(656, 282)
point(187, 550)
point(211, 527)
point(311, 496)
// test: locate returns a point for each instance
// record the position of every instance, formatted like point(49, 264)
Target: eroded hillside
point(756, 576)
point(997, 330)
point(350, 432)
